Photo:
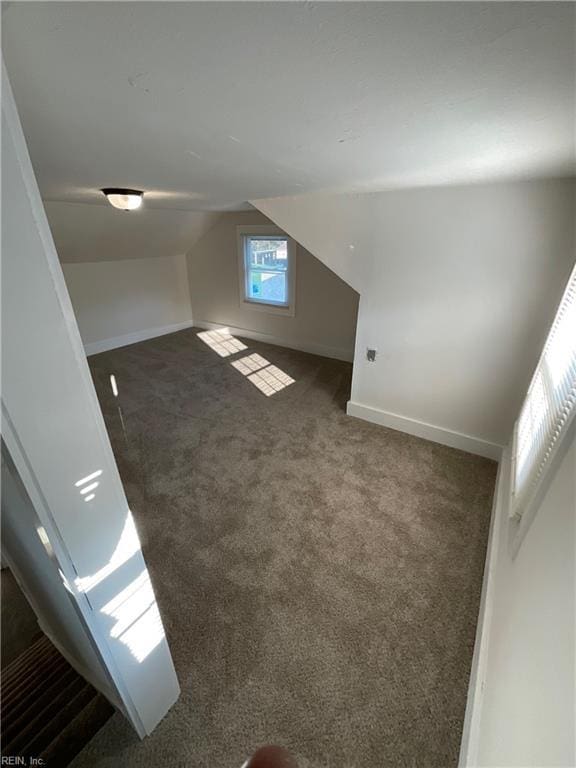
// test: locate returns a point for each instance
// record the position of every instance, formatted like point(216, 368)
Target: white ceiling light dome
point(124, 199)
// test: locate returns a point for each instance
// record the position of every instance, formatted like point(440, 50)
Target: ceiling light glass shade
point(124, 199)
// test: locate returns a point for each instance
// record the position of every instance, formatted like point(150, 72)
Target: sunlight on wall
point(89, 488)
point(87, 479)
point(222, 342)
point(43, 536)
point(128, 545)
point(86, 487)
point(138, 623)
point(65, 581)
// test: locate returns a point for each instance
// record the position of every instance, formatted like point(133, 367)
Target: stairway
point(48, 711)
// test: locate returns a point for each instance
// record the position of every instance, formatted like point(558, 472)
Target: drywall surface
point(26, 547)
point(525, 711)
point(340, 230)
point(98, 232)
point(326, 308)
point(115, 300)
point(53, 428)
point(458, 288)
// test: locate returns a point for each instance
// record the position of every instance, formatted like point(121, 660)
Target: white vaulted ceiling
point(208, 105)
point(84, 232)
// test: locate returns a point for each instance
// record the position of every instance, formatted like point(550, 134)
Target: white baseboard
point(322, 350)
point(427, 431)
point(94, 347)
point(470, 743)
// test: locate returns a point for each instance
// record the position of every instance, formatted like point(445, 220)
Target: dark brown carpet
point(17, 620)
point(49, 712)
point(319, 577)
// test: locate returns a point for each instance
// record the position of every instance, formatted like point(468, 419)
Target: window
point(266, 257)
point(266, 269)
point(549, 407)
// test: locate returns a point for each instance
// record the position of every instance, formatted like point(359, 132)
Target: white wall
point(326, 307)
point(522, 708)
point(36, 572)
point(124, 301)
point(53, 428)
point(458, 287)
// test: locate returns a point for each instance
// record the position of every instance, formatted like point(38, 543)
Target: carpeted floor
point(319, 577)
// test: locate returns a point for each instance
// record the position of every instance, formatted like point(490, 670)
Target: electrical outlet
point(371, 355)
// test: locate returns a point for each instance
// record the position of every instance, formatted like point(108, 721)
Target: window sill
point(272, 309)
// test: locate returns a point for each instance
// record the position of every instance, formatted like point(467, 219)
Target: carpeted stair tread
point(12, 673)
point(35, 681)
point(40, 738)
point(78, 732)
point(48, 709)
point(40, 708)
point(13, 687)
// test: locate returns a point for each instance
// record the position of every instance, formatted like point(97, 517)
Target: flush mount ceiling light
point(124, 199)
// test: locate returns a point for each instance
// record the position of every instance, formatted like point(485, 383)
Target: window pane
point(550, 404)
point(266, 260)
point(271, 254)
point(265, 285)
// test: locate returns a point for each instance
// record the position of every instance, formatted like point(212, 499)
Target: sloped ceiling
point(84, 232)
point(208, 105)
point(338, 229)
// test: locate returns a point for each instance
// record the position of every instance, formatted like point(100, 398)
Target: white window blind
point(549, 406)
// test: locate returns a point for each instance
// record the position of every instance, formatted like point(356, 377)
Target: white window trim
point(520, 524)
point(523, 508)
point(261, 230)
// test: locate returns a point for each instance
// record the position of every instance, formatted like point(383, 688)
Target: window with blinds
point(549, 406)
